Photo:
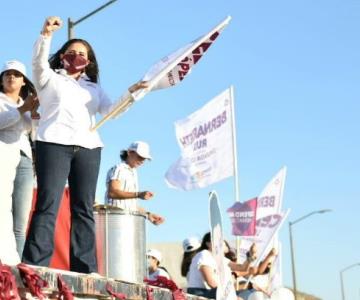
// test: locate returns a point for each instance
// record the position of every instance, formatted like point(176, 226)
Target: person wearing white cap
point(191, 246)
point(122, 187)
point(66, 147)
point(17, 99)
point(154, 259)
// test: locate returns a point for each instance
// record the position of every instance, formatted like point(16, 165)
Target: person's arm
point(11, 115)
point(115, 192)
point(41, 51)
point(208, 275)
point(123, 103)
point(245, 267)
point(153, 218)
point(264, 264)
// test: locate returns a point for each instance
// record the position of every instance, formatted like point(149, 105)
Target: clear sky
point(295, 67)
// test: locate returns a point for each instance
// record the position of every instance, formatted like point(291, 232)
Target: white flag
point(268, 214)
point(171, 69)
point(225, 289)
point(206, 142)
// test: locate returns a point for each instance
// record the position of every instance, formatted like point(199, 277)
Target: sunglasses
point(14, 73)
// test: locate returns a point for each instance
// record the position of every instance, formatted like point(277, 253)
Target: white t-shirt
point(203, 258)
point(128, 183)
point(195, 278)
point(157, 273)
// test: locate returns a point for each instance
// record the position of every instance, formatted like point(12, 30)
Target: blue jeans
point(202, 292)
point(244, 294)
point(22, 199)
point(55, 164)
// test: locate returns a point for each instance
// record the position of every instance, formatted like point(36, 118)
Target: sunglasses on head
point(13, 72)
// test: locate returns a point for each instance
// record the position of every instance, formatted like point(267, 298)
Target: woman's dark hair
point(123, 155)
point(161, 267)
point(205, 240)
point(91, 70)
point(186, 261)
point(188, 256)
point(25, 90)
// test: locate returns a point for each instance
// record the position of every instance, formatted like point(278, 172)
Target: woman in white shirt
point(66, 147)
point(15, 192)
point(202, 276)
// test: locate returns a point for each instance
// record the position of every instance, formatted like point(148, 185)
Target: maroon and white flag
point(243, 217)
point(169, 71)
point(173, 68)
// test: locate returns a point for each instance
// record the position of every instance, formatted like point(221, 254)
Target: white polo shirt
point(14, 127)
point(128, 183)
point(68, 106)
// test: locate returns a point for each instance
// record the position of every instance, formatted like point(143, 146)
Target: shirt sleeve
point(40, 65)
point(117, 173)
point(106, 105)
point(205, 259)
point(8, 117)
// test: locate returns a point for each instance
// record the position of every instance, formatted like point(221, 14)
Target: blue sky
point(295, 68)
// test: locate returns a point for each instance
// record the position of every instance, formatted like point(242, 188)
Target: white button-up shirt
point(14, 127)
point(128, 179)
point(68, 106)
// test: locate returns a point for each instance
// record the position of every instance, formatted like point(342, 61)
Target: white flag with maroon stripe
point(173, 68)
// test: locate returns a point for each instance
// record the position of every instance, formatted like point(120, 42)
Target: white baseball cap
point(14, 65)
point(155, 253)
point(191, 244)
point(141, 148)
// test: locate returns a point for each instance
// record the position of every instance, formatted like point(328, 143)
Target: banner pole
point(236, 174)
point(121, 107)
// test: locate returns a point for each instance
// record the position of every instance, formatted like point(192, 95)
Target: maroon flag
point(243, 217)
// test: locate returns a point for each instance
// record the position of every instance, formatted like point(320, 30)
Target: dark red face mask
point(74, 63)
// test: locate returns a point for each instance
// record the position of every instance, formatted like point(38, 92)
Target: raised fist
point(51, 24)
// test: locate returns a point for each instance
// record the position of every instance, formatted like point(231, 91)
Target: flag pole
point(236, 174)
point(121, 107)
point(168, 67)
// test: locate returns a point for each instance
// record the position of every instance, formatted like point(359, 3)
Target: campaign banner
point(270, 199)
point(205, 139)
point(268, 218)
point(243, 217)
point(173, 68)
point(168, 71)
point(225, 289)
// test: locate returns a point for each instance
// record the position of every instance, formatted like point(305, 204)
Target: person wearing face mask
point(122, 187)
point(66, 147)
point(17, 99)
